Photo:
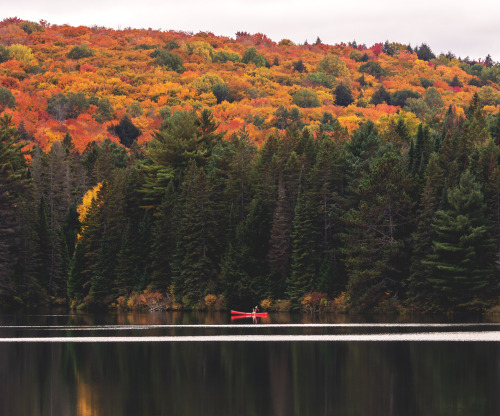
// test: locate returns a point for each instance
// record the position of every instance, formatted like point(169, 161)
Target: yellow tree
point(333, 65)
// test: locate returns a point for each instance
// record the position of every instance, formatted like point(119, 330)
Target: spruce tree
point(14, 184)
point(164, 241)
point(244, 266)
point(327, 185)
point(304, 239)
point(279, 243)
point(460, 266)
point(419, 293)
point(44, 247)
point(195, 272)
point(377, 232)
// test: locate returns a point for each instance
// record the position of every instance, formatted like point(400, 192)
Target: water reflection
point(250, 379)
point(228, 378)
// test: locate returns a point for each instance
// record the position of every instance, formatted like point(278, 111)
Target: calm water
point(205, 364)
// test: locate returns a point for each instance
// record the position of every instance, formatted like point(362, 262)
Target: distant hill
point(85, 81)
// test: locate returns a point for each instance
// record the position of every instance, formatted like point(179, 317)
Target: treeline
point(412, 223)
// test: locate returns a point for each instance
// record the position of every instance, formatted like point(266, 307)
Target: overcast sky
point(466, 28)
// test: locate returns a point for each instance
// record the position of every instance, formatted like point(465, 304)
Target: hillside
point(167, 170)
point(81, 81)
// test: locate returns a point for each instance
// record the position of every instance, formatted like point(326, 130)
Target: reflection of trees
point(457, 379)
point(280, 381)
point(250, 378)
point(34, 380)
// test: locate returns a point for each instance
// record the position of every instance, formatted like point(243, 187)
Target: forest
point(149, 169)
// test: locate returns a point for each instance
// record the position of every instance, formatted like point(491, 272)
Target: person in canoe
point(255, 310)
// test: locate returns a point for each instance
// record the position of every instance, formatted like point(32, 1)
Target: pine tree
point(14, 185)
point(473, 132)
point(182, 138)
point(44, 250)
point(243, 267)
point(164, 241)
point(419, 292)
point(461, 263)
point(279, 244)
point(195, 272)
point(377, 233)
point(304, 238)
point(327, 185)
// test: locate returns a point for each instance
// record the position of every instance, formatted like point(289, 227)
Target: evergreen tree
point(422, 151)
point(183, 138)
point(299, 66)
point(45, 251)
point(304, 257)
point(327, 184)
point(195, 271)
point(424, 52)
point(343, 95)
point(377, 232)
point(279, 244)
point(14, 184)
point(126, 131)
point(420, 291)
point(381, 96)
point(243, 267)
point(165, 237)
point(461, 263)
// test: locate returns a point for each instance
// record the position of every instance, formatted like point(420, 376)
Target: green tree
point(420, 290)
point(243, 267)
point(455, 82)
point(306, 99)
point(424, 52)
point(81, 51)
point(343, 95)
point(400, 97)
point(422, 151)
point(31, 27)
point(327, 184)
point(4, 54)
point(164, 241)
point(225, 56)
point(299, 66)
point(7, 100)
point(195, 271)
point(169, 60)
point(222, 93)
point(433, 100)
point(251, 56)
point(126, 131)
point(372, 68)
point(47, 253)
point(318, 78)
point(381, 96)
point(461, 263)
point(63, 107)
point(304, 238)
point(377, 233)
point(14, 183)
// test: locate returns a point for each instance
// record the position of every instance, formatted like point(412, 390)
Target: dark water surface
point(205, 364)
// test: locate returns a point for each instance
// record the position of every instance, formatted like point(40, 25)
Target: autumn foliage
point(149, 169)
point(243, 80)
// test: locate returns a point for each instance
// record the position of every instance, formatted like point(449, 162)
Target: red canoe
point(262, 314)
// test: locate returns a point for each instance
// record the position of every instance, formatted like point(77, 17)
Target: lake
point(207, 364)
